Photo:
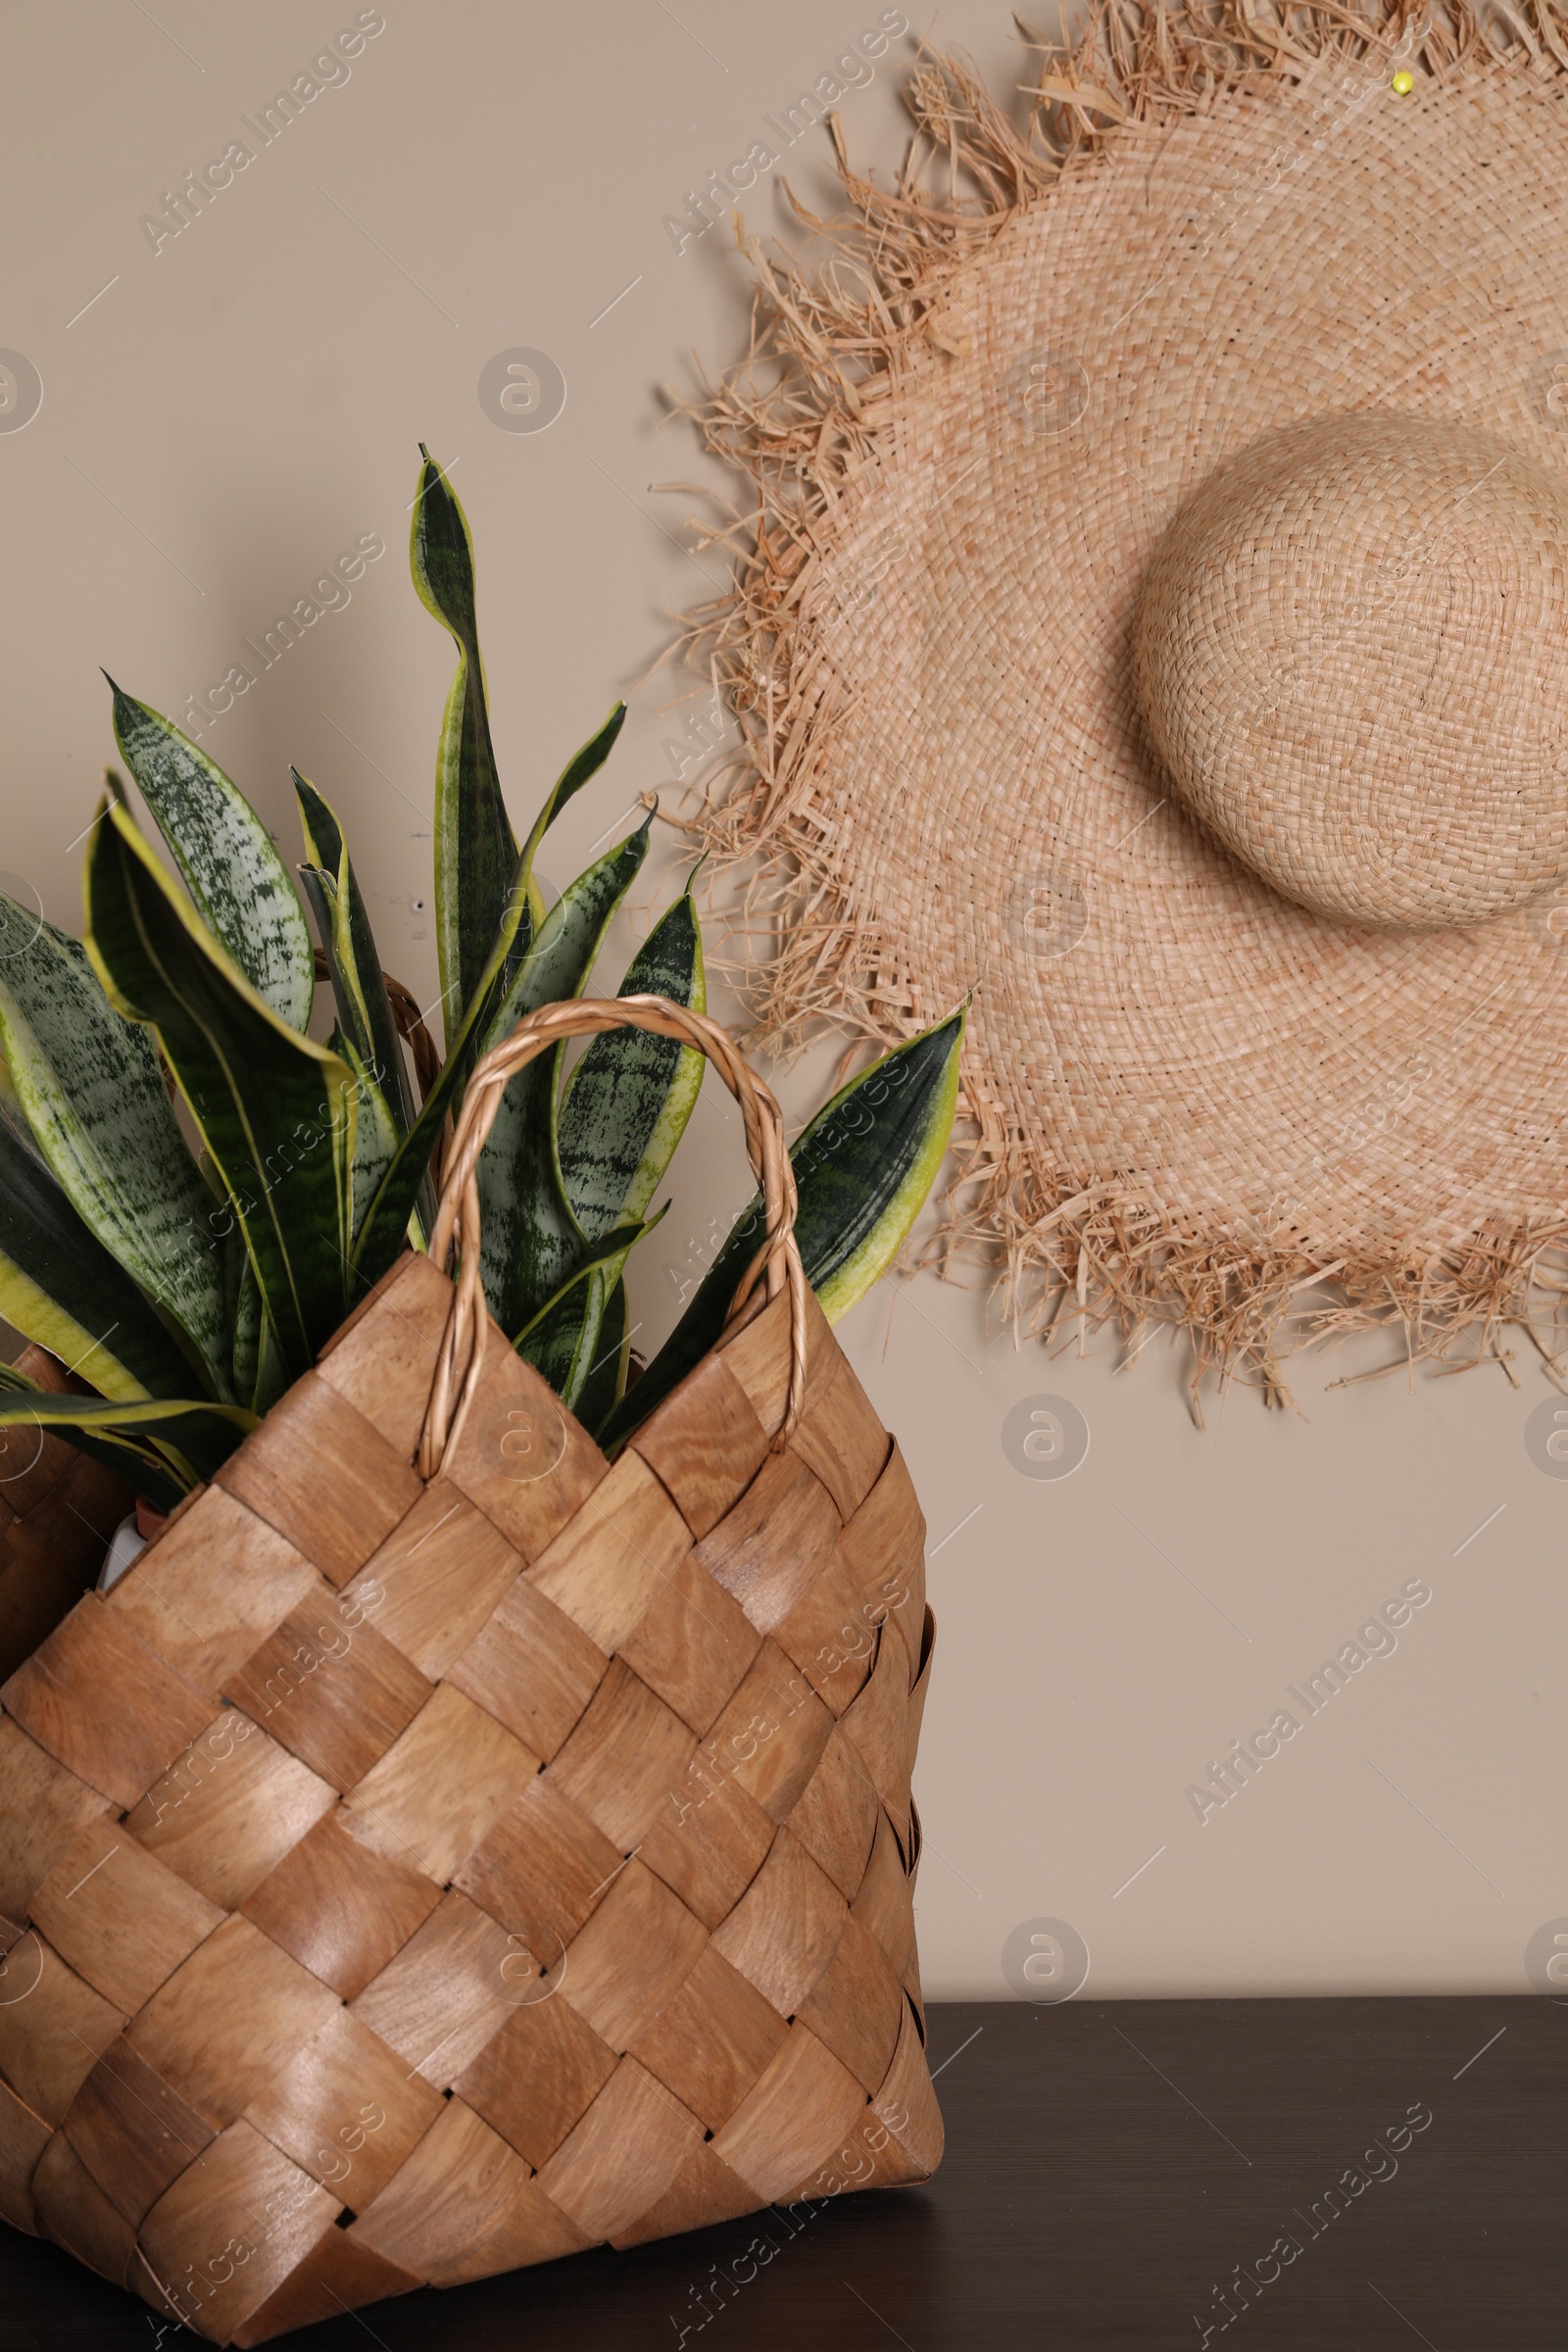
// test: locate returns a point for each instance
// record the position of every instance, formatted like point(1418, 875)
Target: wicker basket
point(444, 1850)
point(58, 1511)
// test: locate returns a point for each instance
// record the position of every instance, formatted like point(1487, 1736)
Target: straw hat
point(1155, 620)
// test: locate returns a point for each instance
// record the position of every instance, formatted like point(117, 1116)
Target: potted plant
point(187, 1287)
point(478, 1826)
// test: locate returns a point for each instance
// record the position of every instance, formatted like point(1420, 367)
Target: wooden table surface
point(1389, 2172)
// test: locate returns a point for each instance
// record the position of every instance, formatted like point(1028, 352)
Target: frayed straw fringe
point(801, 418)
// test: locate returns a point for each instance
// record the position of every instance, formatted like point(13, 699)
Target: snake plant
point(194, 1190)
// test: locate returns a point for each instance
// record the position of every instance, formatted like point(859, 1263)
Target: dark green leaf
point(628, 1098)
point(386, 1229)
point(90, 1088)
point(13, 1115)
point(275, 1113)
point(475, 850)
point(531, 1243)
point(606, 1377)
point(259, 1373)
point(225, 854)
point(862, 1169)
point(390, 1116)
point(128, 1458)
point(247, 1327)
point(580, 770)
point(564, 1341)
point(375, 1134)
point(60, 1287)
point(349, 945)
point(525, 909)
point(202, 1435)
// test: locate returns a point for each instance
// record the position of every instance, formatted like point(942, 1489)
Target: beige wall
point(233, 413)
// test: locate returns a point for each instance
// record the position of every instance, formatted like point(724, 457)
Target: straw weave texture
point(407, 1883)
point(1189, 1095)
point(1350, 654)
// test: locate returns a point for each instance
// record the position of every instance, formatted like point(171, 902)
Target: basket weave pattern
point(407, 1883)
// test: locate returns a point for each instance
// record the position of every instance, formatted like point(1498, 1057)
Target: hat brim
point(1189, 1099)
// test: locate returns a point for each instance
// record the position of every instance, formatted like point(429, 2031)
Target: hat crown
point(1352, 652)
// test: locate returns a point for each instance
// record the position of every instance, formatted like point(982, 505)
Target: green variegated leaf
point(580, 770)
point(320, 896)
point(604, 1380)
point(531, 1243)
point(259, 1373)
point(525, 909)
point(60, 1287)
point(386, 1225)
point(393, 1221)
point(276, 1112)
point(12, 1113)
point(379, 1137)
point(862, 1169)
point(629, 1097)
point(349, 945)
point(385, 1229)
point(626, 1106)
point(272, 1373)
point(199, 1435)
point(565, 1344)
point(609, 1250)
point(225, 854)
point(89, 1085)
point(476, 848)
point(130, 1459)
point(565, 1341)
point(246, 1325)
point(375, 1134)
point(864, 1128)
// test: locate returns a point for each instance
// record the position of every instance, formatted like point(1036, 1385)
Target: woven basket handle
point(463, 1343)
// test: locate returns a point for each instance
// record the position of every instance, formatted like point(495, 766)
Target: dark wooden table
point(1112, 2167)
